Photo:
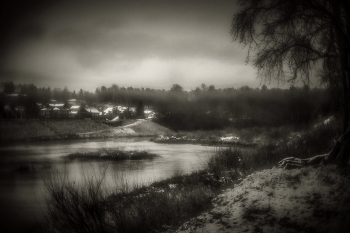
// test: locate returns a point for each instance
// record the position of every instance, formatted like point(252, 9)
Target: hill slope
point(18, 130)
point(277, 200)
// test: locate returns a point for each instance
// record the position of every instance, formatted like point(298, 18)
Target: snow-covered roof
point(110, 109)
point(92, 110)
point(56, 105)
point(121, 108)
point(115, 119)
point(75, 107)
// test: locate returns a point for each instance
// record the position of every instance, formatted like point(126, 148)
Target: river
point(25, 166)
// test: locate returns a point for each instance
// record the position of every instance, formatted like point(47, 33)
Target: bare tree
point(288, 38)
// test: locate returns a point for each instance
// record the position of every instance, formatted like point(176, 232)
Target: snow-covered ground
point(277, 200)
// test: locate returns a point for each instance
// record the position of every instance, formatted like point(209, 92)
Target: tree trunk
point(340, 153)
point(345, 80)
point(344, 153)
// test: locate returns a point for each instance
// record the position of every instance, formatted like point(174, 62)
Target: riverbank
point(225, 196)
point(157, 207)
point(248, 137)
point(169, 205)
point(208, 140)
point(41, 130)
point(276, 200)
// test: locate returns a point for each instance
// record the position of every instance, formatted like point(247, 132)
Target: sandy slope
point(140, 127)
point(277, 200)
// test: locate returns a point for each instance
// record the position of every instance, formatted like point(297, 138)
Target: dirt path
point(276, 200)
point(139, 128)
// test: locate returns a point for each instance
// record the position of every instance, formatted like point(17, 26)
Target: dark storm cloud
point(32, 32)
point(158, 41)
point(137, 31)
point(18, 76)
point(137, 45)
point(16, 12)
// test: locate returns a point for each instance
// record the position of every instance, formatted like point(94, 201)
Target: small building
point(132, 110)
point(55, 113)
point(93, 111)
point(73, 102)
point(20, 110)
point(121, 109)
point(108, 110)
point(63, 113)
point(56, 105)
point(149, 114)
point(45, 112)
point(73, 111)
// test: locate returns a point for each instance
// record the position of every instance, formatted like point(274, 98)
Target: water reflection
point(23, 167)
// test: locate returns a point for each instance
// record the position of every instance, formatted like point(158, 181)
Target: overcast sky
point(87, 44)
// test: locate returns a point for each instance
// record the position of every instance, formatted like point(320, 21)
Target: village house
point(83, 112)
point(74, 102)
point(73, 111)
point(20, 110)
point(93, 112)
point(45, 112)
point(149, 114)
point(56, 105)
point(54, 110)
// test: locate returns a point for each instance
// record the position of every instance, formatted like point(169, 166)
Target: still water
point(24, 168)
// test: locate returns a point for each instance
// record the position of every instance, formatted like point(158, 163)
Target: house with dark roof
point(54, 110)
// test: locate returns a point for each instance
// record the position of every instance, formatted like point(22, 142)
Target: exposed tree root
point(292, 162)
point(338, 155)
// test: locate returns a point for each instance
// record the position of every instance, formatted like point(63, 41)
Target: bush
point(112, 155)
point(77, 208)
point(224, 160)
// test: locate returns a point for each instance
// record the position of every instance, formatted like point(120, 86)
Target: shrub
point(112, 155)
point(77, 208)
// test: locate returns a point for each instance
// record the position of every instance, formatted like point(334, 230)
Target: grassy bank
point(58, 129)
point(166, 204)
point(252, 136)
point(37, 130)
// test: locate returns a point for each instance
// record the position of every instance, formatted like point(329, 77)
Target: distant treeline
point(210, 108)
point(202, 108)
